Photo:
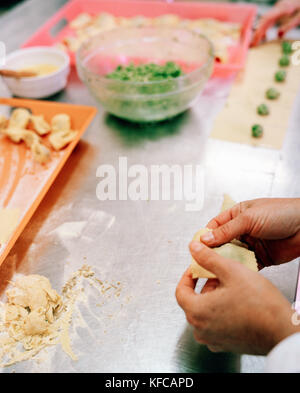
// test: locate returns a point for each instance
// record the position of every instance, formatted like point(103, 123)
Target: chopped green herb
point(257, 131)
point(284, 61)
point(280, 76)
point(286, 47)
point(146, 72)
point(272, 93)
point(156, 91)
point(263, 110)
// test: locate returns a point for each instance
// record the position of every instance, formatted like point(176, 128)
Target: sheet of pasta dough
point(234, 122)
point(9, 219)
point(233, 250)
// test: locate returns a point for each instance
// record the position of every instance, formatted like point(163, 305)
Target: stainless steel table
point(144, 243)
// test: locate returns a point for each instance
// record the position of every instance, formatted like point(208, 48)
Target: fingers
point(221, 219)
point(211, 261)
point(210, 285)
point(228, 231)
point(290, 24)
point(280, 10)
point(185, 291)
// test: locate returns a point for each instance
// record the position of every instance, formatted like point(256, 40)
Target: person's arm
point(285, 357)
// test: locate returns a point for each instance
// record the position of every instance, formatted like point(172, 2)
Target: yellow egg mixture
point(41, 69)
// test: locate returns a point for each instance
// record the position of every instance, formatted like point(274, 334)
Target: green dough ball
point(284, 61)
point(286, 47)
point(257, 131)
point(272, 93)
point(263, 110)
point(280, 76)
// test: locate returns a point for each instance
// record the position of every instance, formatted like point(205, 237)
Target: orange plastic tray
point(56, 28)
point(24, 182)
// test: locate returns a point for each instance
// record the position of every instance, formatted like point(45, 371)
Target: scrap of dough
point(61, 122)
point(9, 219)
point(59, 140)
point(31, 307)
point(40, 125)
point(19, 118)
point(228, 203)
point(233, 250)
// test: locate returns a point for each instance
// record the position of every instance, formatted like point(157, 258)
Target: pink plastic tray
point(240, 13)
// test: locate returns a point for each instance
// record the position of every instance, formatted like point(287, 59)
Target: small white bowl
point(37, 86)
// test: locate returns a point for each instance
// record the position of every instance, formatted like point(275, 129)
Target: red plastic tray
point(241, 13)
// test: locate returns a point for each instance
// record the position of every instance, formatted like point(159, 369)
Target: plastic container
point(57, 27)
point(25, 182)
point(145, 101)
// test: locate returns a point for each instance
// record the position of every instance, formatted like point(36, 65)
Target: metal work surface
point(143, 244)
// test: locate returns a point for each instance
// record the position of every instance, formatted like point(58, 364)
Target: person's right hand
point(270, 227)
point(286, 12)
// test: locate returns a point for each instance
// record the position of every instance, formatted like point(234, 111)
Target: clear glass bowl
point(145, 101)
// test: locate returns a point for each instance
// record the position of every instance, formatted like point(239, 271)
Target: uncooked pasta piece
point(14, 133)
point(40, 125)
point(81, 21)
point(233, 250)
point(59, 140)
point(30, 138)
point(105, 21)
point(166, 20)
point(40, 153)
point(61, 122)
point(19, 118)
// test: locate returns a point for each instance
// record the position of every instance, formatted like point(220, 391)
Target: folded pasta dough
point(234, 250)
point(228, 203)
point(19, 118)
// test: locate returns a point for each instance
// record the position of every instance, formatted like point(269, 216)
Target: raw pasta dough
point(234, 250)
point(234, 122)
point(61, 134)
point(20, 118)
point(40, 152)
point(31, 307)
point(40, 125)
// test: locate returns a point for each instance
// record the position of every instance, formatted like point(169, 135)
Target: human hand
point(240, 312)
point(270, 227)
point(285, 11)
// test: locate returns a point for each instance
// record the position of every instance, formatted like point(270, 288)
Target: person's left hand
point(240, 311)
